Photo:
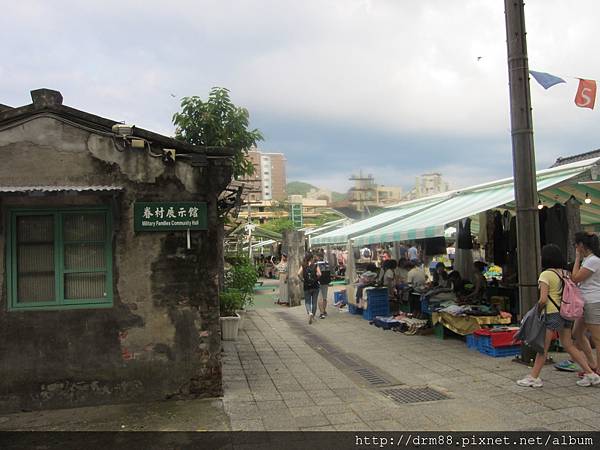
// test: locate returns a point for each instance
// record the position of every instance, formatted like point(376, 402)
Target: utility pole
point(526, 198)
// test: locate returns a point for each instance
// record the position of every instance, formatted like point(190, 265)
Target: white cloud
point(391, 67)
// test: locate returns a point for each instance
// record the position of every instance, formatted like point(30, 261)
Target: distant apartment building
point(366, 193)
point(428, 184)
point(386, 195)
point(269, 179)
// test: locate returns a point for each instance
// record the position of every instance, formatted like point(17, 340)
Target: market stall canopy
point(400, 211)
point(432, 221)
point(258, 232)
point(262, 244)
point(326, 227)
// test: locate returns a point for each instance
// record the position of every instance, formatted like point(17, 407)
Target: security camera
point(123, 130)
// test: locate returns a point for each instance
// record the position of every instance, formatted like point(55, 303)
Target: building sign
point(296, 215)
point(169, 216)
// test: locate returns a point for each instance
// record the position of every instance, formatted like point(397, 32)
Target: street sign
point(169, 216)
point(296, 215)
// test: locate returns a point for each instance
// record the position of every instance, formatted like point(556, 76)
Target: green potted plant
point(241, 276)
point(230, 301)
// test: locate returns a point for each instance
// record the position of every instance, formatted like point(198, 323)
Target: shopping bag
point(533, 329)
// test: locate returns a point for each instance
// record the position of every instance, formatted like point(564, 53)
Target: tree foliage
point(278, 225)
point(217, 123)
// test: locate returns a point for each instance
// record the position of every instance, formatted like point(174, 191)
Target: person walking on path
point(282, 270)
point(550, 287)
point(586, 272)
point(310, 273)
point(324, 282)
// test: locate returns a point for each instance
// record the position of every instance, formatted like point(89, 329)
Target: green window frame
point(64, 258)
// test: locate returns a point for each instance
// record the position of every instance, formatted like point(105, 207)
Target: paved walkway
point(283, 374)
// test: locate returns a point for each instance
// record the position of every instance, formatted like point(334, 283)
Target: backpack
point(310, 278)
point(571, 306)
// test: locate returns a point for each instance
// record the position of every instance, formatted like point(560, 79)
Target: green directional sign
point(169, 216)
point(296, 215)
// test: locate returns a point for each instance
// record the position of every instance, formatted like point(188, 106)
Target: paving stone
point(304, 411)
point(270, 405)
point(323, 428)
point(247, 425)
point(385, 425)
point(317, 420)
point(300, 402)
point(357, 426)
point(340, 418)
point(335, 409)
point(270, 395)
point(328, 401)
point(593, 422)
point(573, 425)
point(577, 412)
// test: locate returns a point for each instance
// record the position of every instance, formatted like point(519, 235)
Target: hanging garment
point(573, 223)
point(489, 245)
point(464, 238)
point(500, 241)
point(435, 246)
point(512, 238)
point(483, 236)
point(557, 227)
point(542, 216)
point(463, 263)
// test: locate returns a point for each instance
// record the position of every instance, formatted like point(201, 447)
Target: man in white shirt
point(413, 253)
point(416, 276)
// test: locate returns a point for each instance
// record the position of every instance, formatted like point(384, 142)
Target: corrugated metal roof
point(21, 189)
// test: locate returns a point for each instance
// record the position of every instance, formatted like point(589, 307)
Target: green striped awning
point(342, 235)
point(432, 221)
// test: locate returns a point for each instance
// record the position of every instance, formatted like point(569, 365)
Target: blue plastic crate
point(353, 309)
point(471, 341)
point(498, 352)
point(340, 297)
point(371, 312)
point(377, 294)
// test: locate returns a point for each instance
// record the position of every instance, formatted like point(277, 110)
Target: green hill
point(301, 188)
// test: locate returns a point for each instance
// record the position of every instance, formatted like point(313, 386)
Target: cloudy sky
point(394, 88)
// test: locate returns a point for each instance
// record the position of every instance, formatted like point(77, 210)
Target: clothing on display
point(557, 227)
point(573, 211)
point(500, 240)
point(435, 246)
point(464, 239)
point(463, 263)
point(489, 226)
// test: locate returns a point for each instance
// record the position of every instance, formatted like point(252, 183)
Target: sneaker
point(529, 381)
point(582, 373)
point(325, 313)
point(589, 379)
point(310, 318)
point(322, 316)
point(567, 366)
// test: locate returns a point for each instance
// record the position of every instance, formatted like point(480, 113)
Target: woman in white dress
point(282, 270)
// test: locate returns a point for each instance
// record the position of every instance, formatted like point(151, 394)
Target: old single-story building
point(111, 249)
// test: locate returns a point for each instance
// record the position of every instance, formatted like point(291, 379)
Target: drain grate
point(345, 359)
point(371, 376)
point(414, 395)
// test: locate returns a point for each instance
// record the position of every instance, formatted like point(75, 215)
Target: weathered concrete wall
point(161, 338)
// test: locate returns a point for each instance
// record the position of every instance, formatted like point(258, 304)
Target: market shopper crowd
point(552, 282)
point(580, 337)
